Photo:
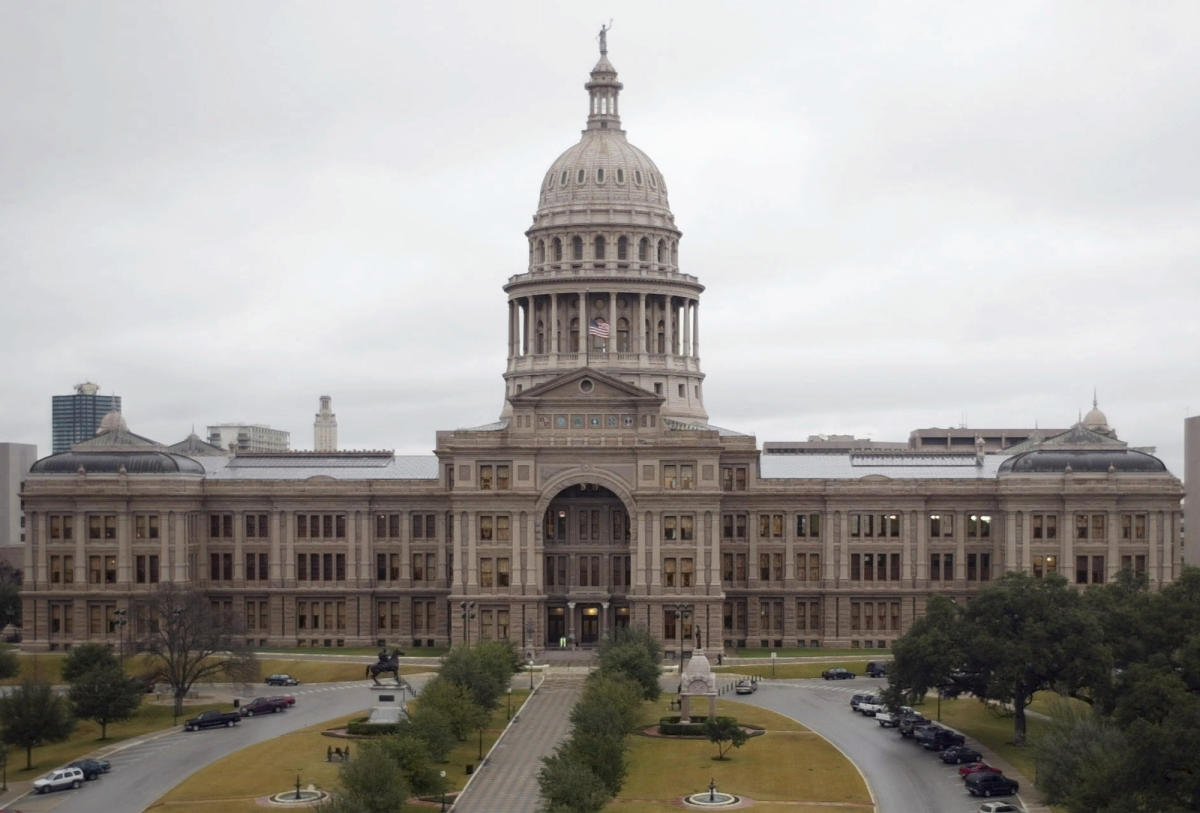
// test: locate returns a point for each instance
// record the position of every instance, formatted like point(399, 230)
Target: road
point(145, 769)
point(902, 776)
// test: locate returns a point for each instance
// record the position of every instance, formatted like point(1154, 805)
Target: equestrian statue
point(389, 662)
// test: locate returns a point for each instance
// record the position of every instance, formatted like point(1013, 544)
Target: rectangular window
point(856, 566)
point(485, 529)
point(251, 561)
point(503, 531)
point(686, 529)
point(485, 477)
point(301, 566)
point(979, 526)
point(764, 567)
point(1133, 527)
point(502, 572)
point(1081, 570)
point(935, 567)
point(670, 476)
point(1097, 570)
point(485, 572)
point(669, 572)
point(670, 528)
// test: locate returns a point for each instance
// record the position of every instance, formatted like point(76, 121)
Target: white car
point(60, 779)
point(887, 719)
point(869, 708)
point(999, 807)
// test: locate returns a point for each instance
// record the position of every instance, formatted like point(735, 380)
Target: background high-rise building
point(75, 418)
point(249, 437)
point(15, 460)
point(325, 427)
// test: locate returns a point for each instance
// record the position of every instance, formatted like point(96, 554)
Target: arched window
point(557, 250)
point(620, 175)
point(600, 175)
point(675, 253)
point(539, 342)
point(576, 248)
point(662, 252)
point(573, 339)
point(662, 337)
point(622, 248)
point(622, 335)
point(541, 251)
point(643, 249)
point(599, 247)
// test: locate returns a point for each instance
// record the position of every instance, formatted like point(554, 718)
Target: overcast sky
point(906, 214)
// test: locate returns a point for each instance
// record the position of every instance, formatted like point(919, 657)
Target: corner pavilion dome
point(603, 168)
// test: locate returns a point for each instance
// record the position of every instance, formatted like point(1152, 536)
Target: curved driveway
point(902, 775)
point(145, 769)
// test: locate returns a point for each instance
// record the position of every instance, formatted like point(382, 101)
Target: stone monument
point(697, 680)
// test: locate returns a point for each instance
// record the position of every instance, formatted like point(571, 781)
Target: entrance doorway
point(556, 627)
point(589, 626)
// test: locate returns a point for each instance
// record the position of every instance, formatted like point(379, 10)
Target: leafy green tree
point(32, 714)
point(431, 725)
point(635, 654)
point(609, 705)
point(602, 753)
point(370, 783)
point(568, 785)
point(107, 695)
point(927, 655)
point(455, 702)
point(413, 760)
point(725, 733)
point(10, 595)
point(485, 670)
point(1022, 635)
point(190, 641)
point(10, 666)
point(1081, 757)
point(86, 657)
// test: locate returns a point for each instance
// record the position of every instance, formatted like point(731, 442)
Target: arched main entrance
point(586, 537)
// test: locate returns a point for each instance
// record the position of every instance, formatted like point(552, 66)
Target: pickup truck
point(937, 738)
point(212, 719)
point(263, 705)
point(887, 719)
point(870, 707)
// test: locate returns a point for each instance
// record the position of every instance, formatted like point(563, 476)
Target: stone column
point(639, 552)
point(960, 547)
point(124, 550)
point(643, 334)
point(656, 553)
point(471, 539)
point(1113, 556)
point(696, 328)
point(1010, 541)
point(668, 328)
point(1152, 557)
point(844, 538)
point(610, 344)
point(526, 345)
point(554, 332)
point(685, 328)
point(1066, 554)
point(583, 320)
point(78, 530)
point(239, 548)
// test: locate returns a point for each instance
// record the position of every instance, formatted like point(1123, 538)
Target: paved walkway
point(507, 780)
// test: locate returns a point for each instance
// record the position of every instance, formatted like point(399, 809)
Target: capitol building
point(601, 497)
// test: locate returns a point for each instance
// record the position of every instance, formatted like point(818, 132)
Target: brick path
point(507, 780)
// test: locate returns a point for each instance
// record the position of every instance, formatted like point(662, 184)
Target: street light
point(468, 613)
point(443, 774)
point(530, 664)
point(510, 702)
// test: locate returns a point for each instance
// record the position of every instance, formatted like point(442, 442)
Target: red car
point(283, 698)
point(976, 767)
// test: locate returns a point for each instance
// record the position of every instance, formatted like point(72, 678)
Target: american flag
point(598, 327)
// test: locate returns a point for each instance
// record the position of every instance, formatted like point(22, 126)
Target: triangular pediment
point(583, 387)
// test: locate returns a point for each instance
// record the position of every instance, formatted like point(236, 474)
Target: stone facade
point(602, 496)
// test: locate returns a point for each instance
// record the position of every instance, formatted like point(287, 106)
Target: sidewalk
point(507, 778)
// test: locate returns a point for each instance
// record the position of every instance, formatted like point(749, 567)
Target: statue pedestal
point(386, 708)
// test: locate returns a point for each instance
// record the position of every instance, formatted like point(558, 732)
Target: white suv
point(59, 780)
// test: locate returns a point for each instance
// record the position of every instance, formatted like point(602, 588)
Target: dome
point(603, 169)
point(112, 422)
point(117, 462)
point(1056, 461)
point(1096, 420)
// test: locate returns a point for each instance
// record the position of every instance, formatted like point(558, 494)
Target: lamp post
point(681, 609)
point(120, 619)
point(443, 775)
point(468, 613)
point(529, 663)
point(510, 702)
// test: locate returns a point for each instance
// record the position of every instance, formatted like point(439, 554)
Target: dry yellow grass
point(816, 775)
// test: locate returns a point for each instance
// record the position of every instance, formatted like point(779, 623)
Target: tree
point(32, 715)
point(190, 641)
point(412, 758)
point(484, 670)
point(721, 730)
point(431, 726)
point(10, 595)
point(927, 655)
point(370, 783)
point(462, 713)
point(568, 785)
point(635, 654)
point(9, 665)
point(86, 657)
point(1022, 635)
point(107, 695)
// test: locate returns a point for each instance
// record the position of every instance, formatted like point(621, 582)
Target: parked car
point(855, 699)
point(745, 686)
point(59, 779)
point(937, 738)
point(958, 754)
point(263, 705)
point(991, 784)
point(91, 768)
point(976, 767)
point(887, 719)
point(212, 719)
point(282, 680)
point(999, 807)
point(837, 673)
point(912, 723)
point(871, 706)
point(284, 698)
point(877, 669)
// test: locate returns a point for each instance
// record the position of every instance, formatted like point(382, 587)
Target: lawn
point(792, 670)
point(814, 652)
point(232, 784)
point(991, 727)
point(662, 770)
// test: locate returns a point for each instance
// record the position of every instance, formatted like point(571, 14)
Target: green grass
point(792, 670)
point(415, 652)
point(662, 770)
point(232, 784)
point(802, 652)
point(991, 727)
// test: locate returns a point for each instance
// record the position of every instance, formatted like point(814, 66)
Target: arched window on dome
point(622, 335)
point(599, 174)
point(598, 247)
point(556, 249)
point(576, 248)
point(662, 252)
point(541, 251)
point(573, 338)
point(622, 248)
point(539, 339)
point(662, 337)
point(675, 253)
point(620, 175)
point(643, 249)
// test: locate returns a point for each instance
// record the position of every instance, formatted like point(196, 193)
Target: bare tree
point(191, 640)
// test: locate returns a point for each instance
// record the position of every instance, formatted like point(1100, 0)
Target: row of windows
point(979, 567)
point(553, 251)
point(735, 615)
point(423, 616)
point(589, 523)
point(602, 105)
point(588, 571)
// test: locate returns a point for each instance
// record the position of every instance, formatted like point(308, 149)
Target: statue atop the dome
point(604, 29)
